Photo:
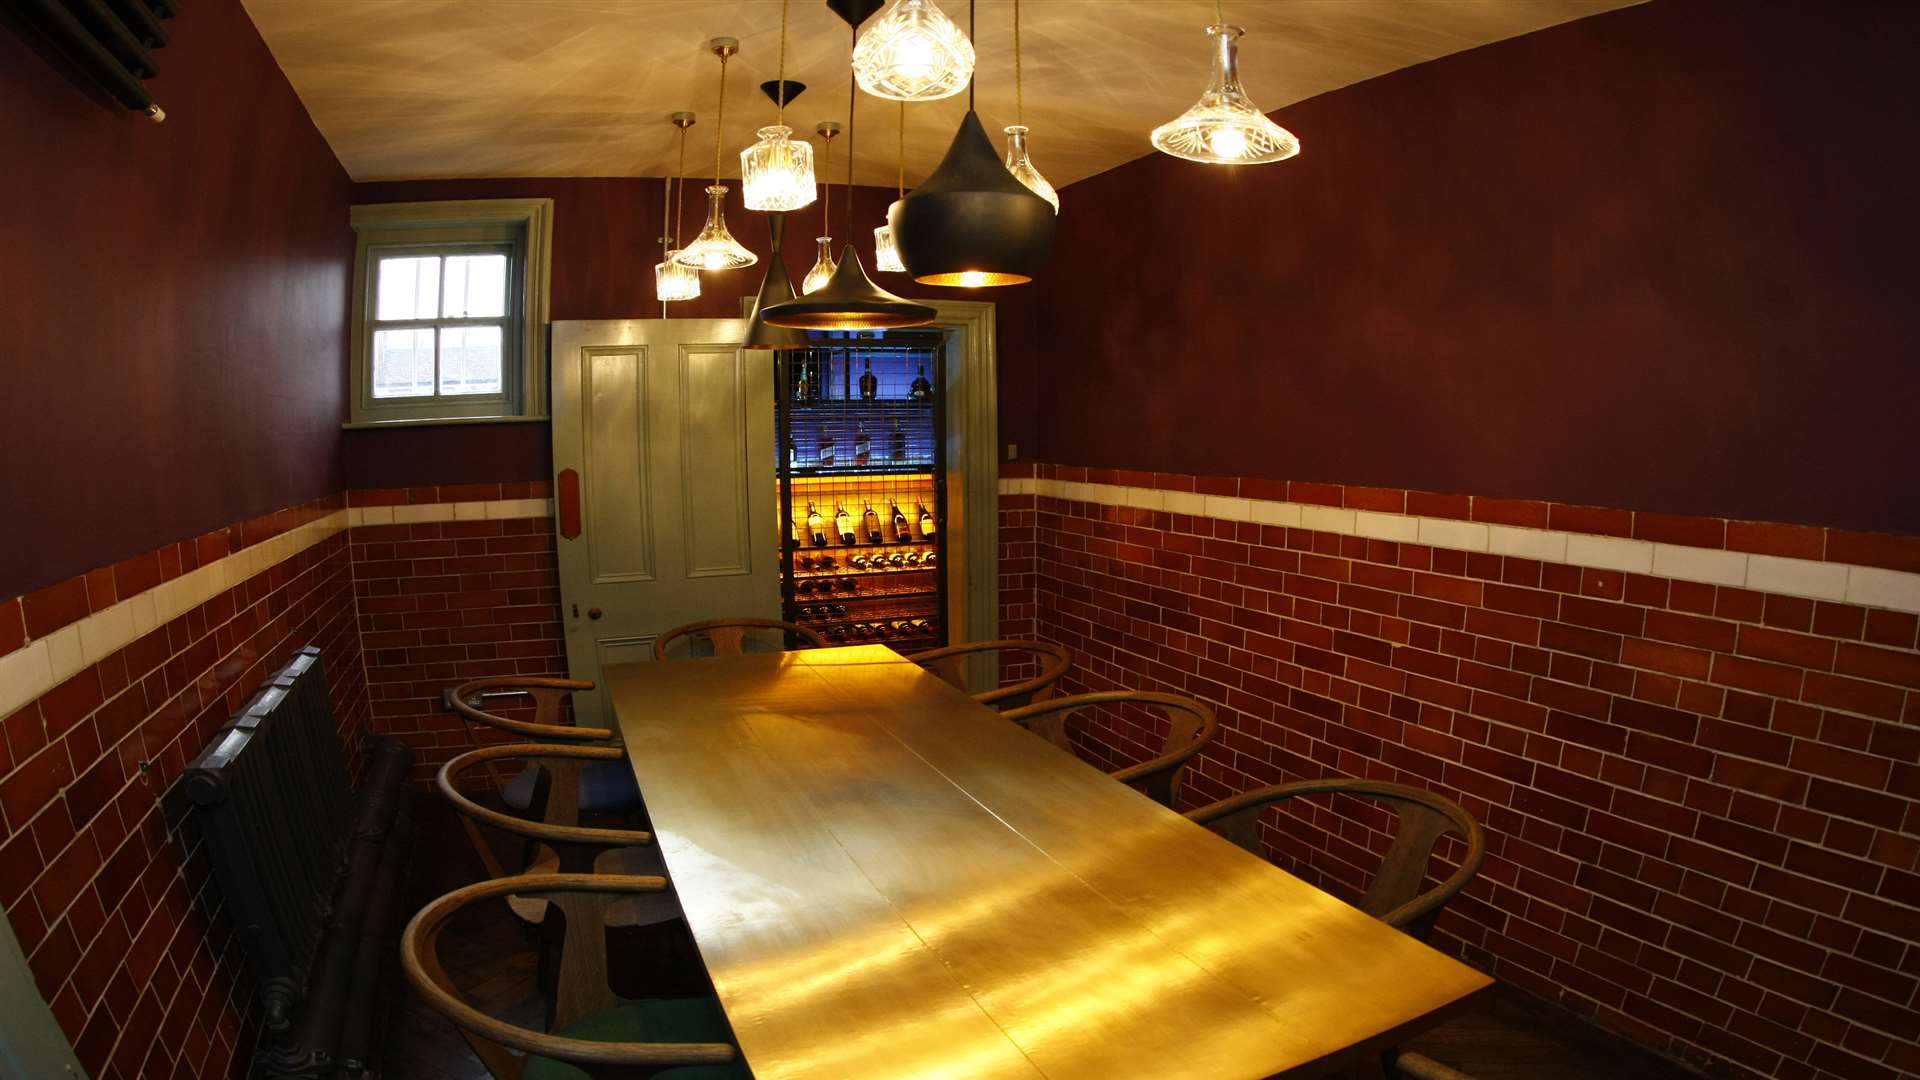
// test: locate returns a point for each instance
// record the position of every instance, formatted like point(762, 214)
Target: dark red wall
point(1661, 258)
point(174, 302)
point(606, 240)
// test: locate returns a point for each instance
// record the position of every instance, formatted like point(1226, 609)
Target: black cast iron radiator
point(307, 866)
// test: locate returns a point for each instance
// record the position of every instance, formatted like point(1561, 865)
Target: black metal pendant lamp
point(849, 300)
point(972, 223)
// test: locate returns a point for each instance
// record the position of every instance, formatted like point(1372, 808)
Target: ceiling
point(468, 88)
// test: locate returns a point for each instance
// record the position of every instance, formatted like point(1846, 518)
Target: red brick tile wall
point(442, 602)
point(1702, 803)
point(101, 870)
point(1018, 567)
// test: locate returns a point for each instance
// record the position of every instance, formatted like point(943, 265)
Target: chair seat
point(605, 787)
point(671, 1020)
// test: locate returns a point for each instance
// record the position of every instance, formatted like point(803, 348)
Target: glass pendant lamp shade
point(971, 223)
point(914, 53)
point(1225, 127)
point(775, 288)
point(823, 268)
point(886, 254)
point(776, 173)
point(1021, 166)
point(675, 281)
point(715, 248)
point(849, 301)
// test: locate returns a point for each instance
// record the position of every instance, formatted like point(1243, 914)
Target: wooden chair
point(556, 790)
point(728, 637)
point(1394, 896)
point(555, 847)
point(1190, 727)
point(950, 664)
point(592, 1030)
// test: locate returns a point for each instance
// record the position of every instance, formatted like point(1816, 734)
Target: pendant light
point(823, 264)
point(776, 173)
point(1018, 163)
point(1225, 127)
point(971, 223)
point(849, 300)
point(671, 280)
point(775, 288)
point(715, 248)
point(914, 53)
point(886, 254)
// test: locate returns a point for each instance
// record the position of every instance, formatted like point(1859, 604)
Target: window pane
point(476, 286)
point(470, 360)
point(409, 288)
point(402, 363)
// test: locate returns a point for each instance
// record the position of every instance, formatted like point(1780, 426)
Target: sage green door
point(667, 425)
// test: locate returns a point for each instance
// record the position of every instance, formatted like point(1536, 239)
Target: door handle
point(593, 613)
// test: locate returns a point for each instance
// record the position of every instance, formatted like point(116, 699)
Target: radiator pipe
point(73, 40)
point(356, 1038)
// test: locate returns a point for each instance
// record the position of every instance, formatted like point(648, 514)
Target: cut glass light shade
point(715, 248)
point(776, 173)
point(1225, 127)
point(914, 53)
point(1021, 166)
point(886, 254)
point(675, 281)
point(823, 268)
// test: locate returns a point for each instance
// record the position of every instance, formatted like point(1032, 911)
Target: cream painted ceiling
point(466, 88)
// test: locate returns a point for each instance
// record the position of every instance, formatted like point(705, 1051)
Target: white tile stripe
point(44, 663)
point(1868, 586)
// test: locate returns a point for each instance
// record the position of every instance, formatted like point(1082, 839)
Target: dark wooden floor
point(1507, 1036)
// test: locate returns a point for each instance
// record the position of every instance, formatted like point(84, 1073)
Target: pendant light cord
point(853, 95)
point(975, 74)
point(826, 185)
point(1219, 16)
point(780, 92)
point(900, 160)
point(680, 198)
point(1019, 99)
point(719, 118)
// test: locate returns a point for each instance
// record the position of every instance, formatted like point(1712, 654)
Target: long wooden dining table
point(886, 879)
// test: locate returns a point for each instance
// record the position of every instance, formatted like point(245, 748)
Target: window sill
point(371, 425)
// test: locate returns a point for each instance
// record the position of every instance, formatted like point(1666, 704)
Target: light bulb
point(913, 53)
point(776, 173)
point(823, 268)
point(886, 253)
point(972, 279)
point(715, 248)
point(1228, 143)
point(675, 281)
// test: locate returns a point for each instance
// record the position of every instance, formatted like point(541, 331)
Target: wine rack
point(861, 433)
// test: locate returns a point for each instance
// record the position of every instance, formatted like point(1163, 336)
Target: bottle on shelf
point(862, 445)
point(825, 457)
point(794, 541)
point(870, 524)
point(921, 390)
point(827, 562)
point(800, 380)
point(901, 531)
point(816, 526)
point(793, 454)
point(805, 586)
point(849, 584)
point(898, 446)
point(927, 526)
point(823, 586)
point(806, 561)
point(843, 524)
point(869, 386)
point(858, 562)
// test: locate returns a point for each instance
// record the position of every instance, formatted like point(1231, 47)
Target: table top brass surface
point(885, 879)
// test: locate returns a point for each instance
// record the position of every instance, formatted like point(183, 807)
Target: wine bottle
point(800, 380)
point(901, 531)
point(858, 562)
point(804, 586)
point(816, 526)
point(793, 455)
point(862, 445)
point(926, 521)
point(843, 524)
point(793, 542)
point(922, 390)
point(870, 522)
point(849, 584)
point(826, 562)
point(899, 442)
point(826, 449)
point(869, 386)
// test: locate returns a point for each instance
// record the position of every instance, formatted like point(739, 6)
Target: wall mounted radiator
point(307, 867)
point(108, 41)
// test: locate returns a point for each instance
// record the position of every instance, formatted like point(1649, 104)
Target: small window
point(450, 312)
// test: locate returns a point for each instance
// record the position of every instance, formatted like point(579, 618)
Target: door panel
point(670, 425)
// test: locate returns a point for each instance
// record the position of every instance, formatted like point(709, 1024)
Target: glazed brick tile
point(13, 627)
point(1525, 513)
point(1430, 504)
point(1306, 491)
point(1385, 500)
point(1874, 549)
point(49, 609)
point(1591, 519)
point(1685, 529)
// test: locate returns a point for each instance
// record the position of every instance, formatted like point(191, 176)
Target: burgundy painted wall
point(174, 302)
point(606, 234)
point(1659, 259)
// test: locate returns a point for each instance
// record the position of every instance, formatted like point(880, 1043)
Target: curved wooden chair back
point(548, 696)
point(582, 989)
point(950, 664)
point(577, 845)
point(728, 637)
point(1394, 896)
point(1190, 727)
